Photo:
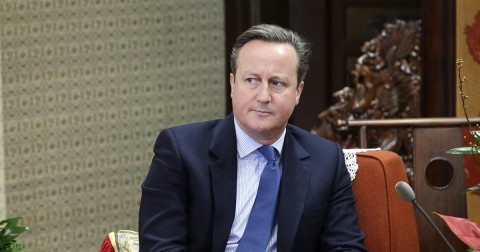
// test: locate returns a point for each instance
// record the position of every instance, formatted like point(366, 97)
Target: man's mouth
point(262, 112)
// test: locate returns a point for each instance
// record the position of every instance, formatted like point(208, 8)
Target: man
point(208, 182)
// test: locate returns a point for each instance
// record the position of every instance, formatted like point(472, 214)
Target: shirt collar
point(246, 145)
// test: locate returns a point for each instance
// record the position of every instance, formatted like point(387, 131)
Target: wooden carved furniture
point(385, 84)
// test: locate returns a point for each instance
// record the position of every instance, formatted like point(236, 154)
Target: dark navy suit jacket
point(188, 196)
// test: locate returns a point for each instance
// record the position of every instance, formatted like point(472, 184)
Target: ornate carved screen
point(385, 83)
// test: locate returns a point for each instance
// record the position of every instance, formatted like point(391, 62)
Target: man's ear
point(232, 82)
point(299, 92)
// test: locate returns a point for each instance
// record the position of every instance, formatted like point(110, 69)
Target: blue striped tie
point(261, 220)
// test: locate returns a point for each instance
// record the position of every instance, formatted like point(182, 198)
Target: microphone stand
point(433, 224)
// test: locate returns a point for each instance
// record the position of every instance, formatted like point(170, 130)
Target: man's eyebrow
point(280, 77)
point(251, 73)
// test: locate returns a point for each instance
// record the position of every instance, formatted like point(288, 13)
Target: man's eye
point(277, 84)
point(251, 82)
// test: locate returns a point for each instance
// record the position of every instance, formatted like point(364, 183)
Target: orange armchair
point(387, 221)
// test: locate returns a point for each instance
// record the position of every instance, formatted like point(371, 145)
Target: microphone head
point(405, 191)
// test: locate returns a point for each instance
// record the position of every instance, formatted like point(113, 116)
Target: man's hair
point(274, 33)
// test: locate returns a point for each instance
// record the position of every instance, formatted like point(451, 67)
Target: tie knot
point(268, 152)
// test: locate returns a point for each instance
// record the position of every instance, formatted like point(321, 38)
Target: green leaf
point(8, 232)
point(476, 135)
point(467, 150)
point(10, 222)
point(473, 188)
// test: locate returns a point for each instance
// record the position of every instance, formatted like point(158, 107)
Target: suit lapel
point(223, 170)
point(294, 187)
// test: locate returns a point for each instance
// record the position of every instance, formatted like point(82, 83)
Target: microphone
point(404, 190)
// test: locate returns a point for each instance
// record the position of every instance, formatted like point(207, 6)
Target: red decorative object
point(107, 245)
point(473, 38)
point(466, 230)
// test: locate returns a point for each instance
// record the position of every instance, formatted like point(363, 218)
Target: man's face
point(265, 89)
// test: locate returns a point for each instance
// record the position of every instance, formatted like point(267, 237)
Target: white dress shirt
point(250, 164)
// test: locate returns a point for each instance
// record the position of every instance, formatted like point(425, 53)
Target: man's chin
point(263, 129)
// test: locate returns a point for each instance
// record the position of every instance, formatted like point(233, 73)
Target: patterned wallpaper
point(86, 86)
point(468, 11)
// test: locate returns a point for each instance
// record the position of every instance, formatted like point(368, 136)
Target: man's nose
point(263, 94)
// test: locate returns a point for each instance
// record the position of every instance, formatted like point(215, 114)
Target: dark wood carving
point(385, 83)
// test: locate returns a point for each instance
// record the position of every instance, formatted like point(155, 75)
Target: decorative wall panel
point(468, 13)
point(86, 86)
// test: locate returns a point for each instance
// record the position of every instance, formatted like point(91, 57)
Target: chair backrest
point(387, 221)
